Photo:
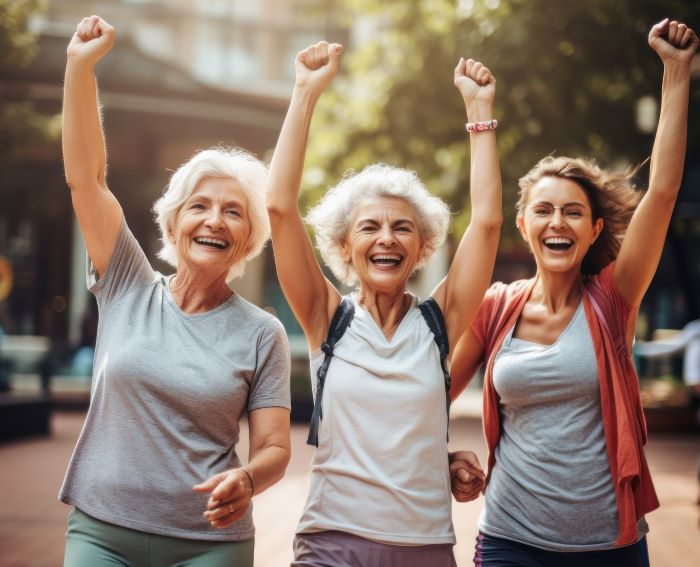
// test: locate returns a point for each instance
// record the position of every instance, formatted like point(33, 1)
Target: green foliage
point(17, 44)
point(20, 125)
point(569, 75)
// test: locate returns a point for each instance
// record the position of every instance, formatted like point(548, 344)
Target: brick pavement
point(32, 521)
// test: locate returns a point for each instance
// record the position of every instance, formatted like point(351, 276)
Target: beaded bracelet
point(481, 126)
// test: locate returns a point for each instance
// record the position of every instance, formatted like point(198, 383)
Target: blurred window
point(243, 56)
point(213, 7)
point(294, 42)
point(209, 54)
point(156, 39)
point(248, 9)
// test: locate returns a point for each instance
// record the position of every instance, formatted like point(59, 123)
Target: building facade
point(183, 75)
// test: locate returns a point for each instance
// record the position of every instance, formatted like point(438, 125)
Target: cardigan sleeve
point(614, 306)
point(483, 320)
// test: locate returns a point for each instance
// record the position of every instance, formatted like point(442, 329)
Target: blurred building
point(190, 74)
point(183, 75)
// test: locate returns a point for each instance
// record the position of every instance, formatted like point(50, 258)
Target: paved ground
point(32, 521)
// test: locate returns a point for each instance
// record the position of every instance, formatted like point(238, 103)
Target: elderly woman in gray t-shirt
point(178, 360)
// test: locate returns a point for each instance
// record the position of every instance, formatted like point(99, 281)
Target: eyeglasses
point(570, 212)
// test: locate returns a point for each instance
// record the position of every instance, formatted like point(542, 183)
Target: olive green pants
point(94, 543)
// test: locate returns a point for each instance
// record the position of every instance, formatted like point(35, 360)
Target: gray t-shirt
point(551, 486)
point(168, 390)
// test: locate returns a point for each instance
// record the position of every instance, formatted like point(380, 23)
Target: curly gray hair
point(235, 163)
point(331, 217)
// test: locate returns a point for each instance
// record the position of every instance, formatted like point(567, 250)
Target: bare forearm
point(84, 153)
point(668, 154)
point(267, 467)
point(486, 200)
point(287, 165)
point(472, 265)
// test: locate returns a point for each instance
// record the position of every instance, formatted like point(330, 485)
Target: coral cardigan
point(624, 425)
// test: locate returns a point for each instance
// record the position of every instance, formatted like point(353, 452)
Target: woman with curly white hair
point(155, 478)
point(380, 482)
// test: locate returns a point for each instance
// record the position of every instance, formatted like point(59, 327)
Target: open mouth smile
point(215, 243)
point(558, 243)
point(386, 261)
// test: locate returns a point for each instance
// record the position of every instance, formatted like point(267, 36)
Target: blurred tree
point(570, 76)
point(20, 124)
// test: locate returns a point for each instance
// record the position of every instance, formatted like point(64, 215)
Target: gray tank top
point(551, 486)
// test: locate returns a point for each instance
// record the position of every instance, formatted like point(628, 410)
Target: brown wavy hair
point(613, 198)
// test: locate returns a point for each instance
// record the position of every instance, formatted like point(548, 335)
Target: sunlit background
point(573, 78)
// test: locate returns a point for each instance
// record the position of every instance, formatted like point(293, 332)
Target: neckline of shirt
point(541, 346)
point(165, 280)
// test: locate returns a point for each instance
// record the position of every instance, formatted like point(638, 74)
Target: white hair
point(245, 169)
point(331, 217)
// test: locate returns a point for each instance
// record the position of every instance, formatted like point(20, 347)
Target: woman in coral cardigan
point(568, 482)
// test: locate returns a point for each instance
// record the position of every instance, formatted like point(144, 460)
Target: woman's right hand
point(474, 82)
point(317, 65)
point(467, 478)
point(230, 492)
point(91, 41)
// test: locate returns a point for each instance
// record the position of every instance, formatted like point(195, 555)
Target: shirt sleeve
point(270, 385)
point(127, 269)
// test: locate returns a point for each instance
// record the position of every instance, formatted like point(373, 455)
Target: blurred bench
point(668, 342)
point(23, 414)
point(667, 401)
point(24, 352)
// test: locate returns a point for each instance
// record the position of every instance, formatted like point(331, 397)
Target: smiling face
point(212, 229)
point(558, 224)
point(383, 243)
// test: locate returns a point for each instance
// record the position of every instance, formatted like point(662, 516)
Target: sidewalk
point(32, 521)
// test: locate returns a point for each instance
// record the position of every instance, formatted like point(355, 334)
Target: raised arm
point(84, 155)
point(460, 293)
point(311, 296)
point(641, 249)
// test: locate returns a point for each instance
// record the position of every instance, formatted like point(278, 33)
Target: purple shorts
point(339, 549)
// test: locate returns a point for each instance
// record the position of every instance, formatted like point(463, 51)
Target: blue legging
point(498, 552)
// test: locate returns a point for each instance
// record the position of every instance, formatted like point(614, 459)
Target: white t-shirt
point(381, 468)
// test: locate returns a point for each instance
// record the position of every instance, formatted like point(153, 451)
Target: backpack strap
point(341, 320)
point(436, 323)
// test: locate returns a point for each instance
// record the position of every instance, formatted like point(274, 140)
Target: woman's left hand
point(231, 492)
point(467, 478)
point(474, 82)
point(673, 41)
